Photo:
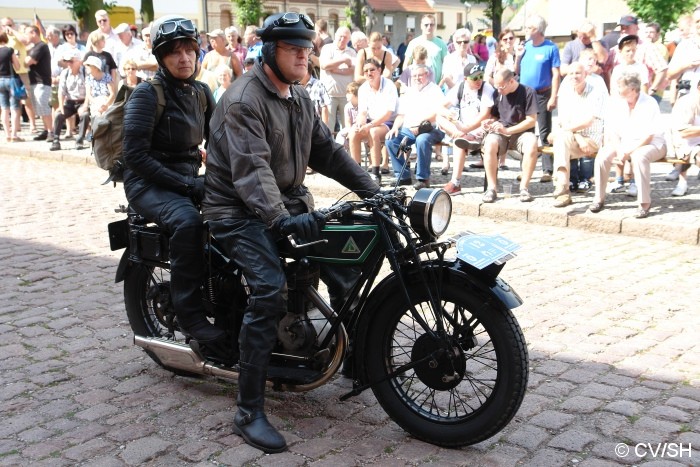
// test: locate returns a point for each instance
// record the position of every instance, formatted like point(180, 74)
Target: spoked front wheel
point(468, 375)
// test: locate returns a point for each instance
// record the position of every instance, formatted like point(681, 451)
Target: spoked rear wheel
point(468, 380)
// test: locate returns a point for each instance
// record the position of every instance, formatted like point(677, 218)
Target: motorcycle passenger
point(162, 161)
point(264, 134)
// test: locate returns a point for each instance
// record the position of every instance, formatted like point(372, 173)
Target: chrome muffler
point(180, 356)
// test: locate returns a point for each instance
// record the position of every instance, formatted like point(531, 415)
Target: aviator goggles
point(171, 28)
point(294, 18)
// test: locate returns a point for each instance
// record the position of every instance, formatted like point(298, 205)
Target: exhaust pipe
point(181, 357)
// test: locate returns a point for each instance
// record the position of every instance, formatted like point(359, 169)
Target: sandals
point(642, 213)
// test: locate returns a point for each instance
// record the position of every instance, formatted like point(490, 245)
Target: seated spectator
point(472, 101)
point(580, 130)
point(224, 75)
point(100, 92)
point(71, 95)
point(633, 132)
point(513, 128)
point(455, 63)
point(377, 52)
point(130, 79)
point(376, 102)
point(685, 128)
point(420, 103)
point(419, 57)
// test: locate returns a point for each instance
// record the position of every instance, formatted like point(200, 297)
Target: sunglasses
point(101, 20)
point(462, 42)
point(508, 38)
point(170, 28)
point(476, 77)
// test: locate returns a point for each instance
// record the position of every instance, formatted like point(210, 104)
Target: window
point(440, 20)
point(388, 24)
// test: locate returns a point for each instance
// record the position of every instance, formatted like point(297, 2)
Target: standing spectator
point(436, 47)
point(479, 49)
point(146, 63)
point(128, 48)
point(586, 38)
point(9, 103)
point(234, 43)
point(358, 40)
point(491, 44)
point(685, 128)
point(112, 41)
point(96, 43)
point(463, 124)
point(515, 113)
point(401, 51)
point(53, 40)
point(422, 102)
point(38, 60)
point(322, 38)
point(537, 63)
point(456, 62)
point(71, 95)
point(252, 41)
point(627, 50)
point(317, 93)
point(633, 132)
point(131, 78)
point(70, 44)
point(504, 57)
point(377, 99)
point(337, 63)
point(580, 131)
point(220, 54)
point(18, 42)
point(376, 52)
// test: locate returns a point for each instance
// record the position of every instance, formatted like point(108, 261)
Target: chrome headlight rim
point(427, 203)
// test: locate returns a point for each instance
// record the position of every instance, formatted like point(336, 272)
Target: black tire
point(146, 297)
point(489, 368)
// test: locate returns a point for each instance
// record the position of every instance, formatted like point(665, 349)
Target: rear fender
point(123, 268)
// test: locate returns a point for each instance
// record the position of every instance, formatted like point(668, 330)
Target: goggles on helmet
point(289, 19)
point(171, 28)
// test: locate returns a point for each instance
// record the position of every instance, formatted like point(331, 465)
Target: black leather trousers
point(178, 215)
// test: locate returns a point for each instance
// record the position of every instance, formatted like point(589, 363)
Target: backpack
point(108, 132)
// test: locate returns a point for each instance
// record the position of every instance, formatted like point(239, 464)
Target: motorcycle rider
point(264, 134)
point(162, 161)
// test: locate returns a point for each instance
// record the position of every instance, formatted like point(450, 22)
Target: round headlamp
point(430, 212)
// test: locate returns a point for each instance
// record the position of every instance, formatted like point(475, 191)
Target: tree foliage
point(664, 12)
point(146, 11)
point(248, 11)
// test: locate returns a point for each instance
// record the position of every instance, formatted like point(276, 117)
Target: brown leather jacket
point(260, 145)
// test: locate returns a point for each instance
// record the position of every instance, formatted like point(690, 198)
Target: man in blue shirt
point(538, 63)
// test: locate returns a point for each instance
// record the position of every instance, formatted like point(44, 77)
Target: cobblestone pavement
point(611, 323)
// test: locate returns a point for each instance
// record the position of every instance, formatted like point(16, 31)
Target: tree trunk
point(146, 11)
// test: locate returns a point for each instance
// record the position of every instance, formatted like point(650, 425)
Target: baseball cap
point(123, 27)
point(216, 33)
point(627, 20)
point(472, 70)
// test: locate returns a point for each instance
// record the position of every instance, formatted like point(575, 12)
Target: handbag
point(17, 88)
point(425, 127)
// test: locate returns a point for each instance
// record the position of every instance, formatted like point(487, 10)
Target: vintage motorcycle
point(433, 337)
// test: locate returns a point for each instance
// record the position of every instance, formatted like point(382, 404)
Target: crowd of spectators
point(474, 93)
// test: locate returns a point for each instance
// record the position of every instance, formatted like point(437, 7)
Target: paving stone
point(573, 440)
point(528, 436)
point(552, 419)
point(580, 404)
point(624, 407)
point(143, 450)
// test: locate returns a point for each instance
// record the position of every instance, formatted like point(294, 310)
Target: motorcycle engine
point(295, 332)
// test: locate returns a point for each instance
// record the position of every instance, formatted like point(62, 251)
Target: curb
point(679, 222)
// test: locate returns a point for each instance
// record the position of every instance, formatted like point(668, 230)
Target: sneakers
point(462, 143)
point(680, 190)
point(376, 178)
point(583, 187)
point(41, 136)
point(79, 144)
point(632, 190)
point(452, 189)
point(618, 188)
point(546, 178)
point(672, 176)
point(421, 184)
point(525, 196)
point(489, 196)
point(55, 146)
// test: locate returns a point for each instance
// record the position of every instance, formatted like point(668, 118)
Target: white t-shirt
point(454, 64)
point(638, 68)
point(471, 105)
point(377, 103)
point(416, 103)
point(632, 127)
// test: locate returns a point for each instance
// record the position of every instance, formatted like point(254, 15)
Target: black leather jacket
point(260, 146)
point(165, 153)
